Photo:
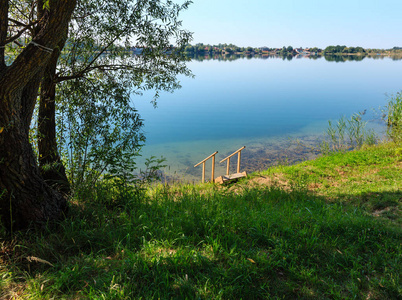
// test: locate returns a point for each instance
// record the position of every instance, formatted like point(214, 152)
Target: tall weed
point(347, 134)
point(393, 115)
point(117, 189)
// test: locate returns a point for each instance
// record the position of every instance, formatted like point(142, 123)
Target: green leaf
point(46, 5)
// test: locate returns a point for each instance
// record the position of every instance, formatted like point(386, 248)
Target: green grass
point(370, 178)
point(324, 229)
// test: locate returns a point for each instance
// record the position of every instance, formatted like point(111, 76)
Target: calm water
point(263, 104)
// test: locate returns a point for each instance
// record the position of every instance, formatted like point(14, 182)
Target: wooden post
point(238, 161)
point(213, 169)
point(203, 172)
point(203, 166)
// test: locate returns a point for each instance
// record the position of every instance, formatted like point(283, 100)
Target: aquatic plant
point(393, 116)
point(348, 134)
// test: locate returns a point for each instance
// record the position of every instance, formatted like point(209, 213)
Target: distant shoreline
point(225, 49)
point(330, 58)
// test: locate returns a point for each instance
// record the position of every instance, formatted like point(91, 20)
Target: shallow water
point(267, 105)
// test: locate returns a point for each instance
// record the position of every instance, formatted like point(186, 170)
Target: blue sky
point(277, 23)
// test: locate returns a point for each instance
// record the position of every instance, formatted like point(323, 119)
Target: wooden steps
point(229, 178)
point(225, 178)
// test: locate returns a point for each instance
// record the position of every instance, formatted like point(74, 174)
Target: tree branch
point(17, 8)
point(82, 73)
point(18, 22)
point(15, 37)
point(25, 26)
point(89, 67)
point(34, 57)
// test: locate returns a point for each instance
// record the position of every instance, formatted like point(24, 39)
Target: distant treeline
point(331, 58)
point(229, 49)
point(344, 50)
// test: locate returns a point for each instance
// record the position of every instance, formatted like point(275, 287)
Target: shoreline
point(258, 156)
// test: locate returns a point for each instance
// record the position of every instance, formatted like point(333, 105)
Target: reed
point(393, 114)
point(347, 134)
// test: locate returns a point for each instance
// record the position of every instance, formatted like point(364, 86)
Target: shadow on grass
point(253, 244)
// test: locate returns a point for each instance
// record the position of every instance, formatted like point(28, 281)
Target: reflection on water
point(330, 58)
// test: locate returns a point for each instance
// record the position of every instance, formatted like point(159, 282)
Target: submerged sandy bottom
point(259, 154)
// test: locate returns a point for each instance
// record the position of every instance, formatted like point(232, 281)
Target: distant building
point(302, 51)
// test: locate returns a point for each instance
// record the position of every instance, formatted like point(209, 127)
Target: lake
point(267, 105)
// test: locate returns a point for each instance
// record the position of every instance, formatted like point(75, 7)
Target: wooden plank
point(231, 177)
point(237, 175)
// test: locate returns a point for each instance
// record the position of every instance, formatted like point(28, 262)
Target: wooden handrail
point(238, 160)
point(232, 154)
point(203, 166)
point(206, 159)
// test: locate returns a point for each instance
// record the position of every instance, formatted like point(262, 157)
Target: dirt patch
point(382, 212)
point(314, 186)
point(341, 172)
point(274, 180)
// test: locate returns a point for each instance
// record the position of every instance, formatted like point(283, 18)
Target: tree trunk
point(25, 197)
point(51, 166)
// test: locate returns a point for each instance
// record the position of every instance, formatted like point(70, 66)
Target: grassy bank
point(324, 229)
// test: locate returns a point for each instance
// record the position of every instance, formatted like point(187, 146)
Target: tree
point(34, 34)
point(228, 50)
point(360, 50)
point(189, 49)
point(25, 197)
point(315, 50)
point(116, 73)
